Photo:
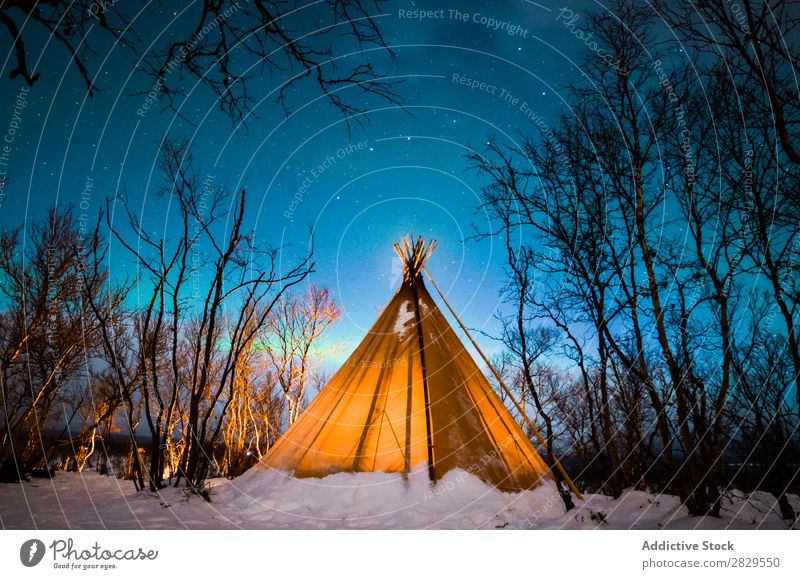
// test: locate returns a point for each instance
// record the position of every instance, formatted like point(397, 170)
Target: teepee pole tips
point(414, 254)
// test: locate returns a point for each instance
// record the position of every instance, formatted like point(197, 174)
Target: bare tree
point(191, 344)
point(46, 335)
point(765, 443)
point(223, 45)
point(659, 295)
point(69, 23)
point(118, 338)
point(758, 42)
point(95, 406)
point(293, 332)
point(567, 215)
point(251, 422)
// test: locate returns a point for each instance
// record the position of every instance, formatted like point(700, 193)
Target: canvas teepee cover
point(410, 397)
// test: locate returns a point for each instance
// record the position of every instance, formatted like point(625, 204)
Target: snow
point(272, 499)
point(264, 499)
point(93, 501)
point(404, 315)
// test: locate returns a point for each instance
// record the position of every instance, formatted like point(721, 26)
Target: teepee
point(410, 398)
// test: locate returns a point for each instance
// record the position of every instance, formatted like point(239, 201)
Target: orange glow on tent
point(410, 397)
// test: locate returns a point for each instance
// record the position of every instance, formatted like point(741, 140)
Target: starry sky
point(405, 171)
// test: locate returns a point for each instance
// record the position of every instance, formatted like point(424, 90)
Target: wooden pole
point(414, 254)
point(425, 389)
point(505, 388)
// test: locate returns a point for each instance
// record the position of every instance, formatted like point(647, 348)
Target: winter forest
point(165, 323)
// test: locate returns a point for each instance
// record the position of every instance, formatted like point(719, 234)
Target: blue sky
point(403, 172)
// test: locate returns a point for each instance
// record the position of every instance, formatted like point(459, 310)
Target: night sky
point(404, 172)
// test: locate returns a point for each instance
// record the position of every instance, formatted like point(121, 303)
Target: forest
point(650, 236)
point(652, 240)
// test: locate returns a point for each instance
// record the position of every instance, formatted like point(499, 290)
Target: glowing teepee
point(410, 397)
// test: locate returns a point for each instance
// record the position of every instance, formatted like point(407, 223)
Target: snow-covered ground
point(262, 499)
